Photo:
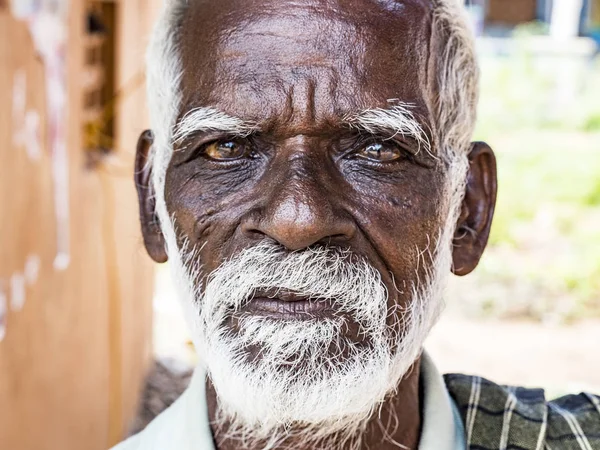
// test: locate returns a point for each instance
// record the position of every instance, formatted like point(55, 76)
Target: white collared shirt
point(185, 425)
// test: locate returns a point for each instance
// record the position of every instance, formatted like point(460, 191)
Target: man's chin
point(276, 373)
point(288, 343)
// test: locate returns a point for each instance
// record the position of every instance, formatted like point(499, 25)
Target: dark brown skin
point(297, 68)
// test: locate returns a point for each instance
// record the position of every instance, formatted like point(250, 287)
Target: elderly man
point(311, 180)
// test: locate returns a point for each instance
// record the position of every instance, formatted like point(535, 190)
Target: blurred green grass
point(542, 117)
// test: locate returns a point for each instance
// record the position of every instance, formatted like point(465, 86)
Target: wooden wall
point(595, 14)
point(76, 342)
point(511, 12)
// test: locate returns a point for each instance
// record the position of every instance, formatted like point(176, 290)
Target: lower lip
point(280, 309)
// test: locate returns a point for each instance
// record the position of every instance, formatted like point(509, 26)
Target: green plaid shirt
point(504, 418)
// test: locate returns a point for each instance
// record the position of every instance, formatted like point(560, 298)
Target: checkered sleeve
point(574, 423)
point(503, 418)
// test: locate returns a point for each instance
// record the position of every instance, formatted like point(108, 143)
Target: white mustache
point(321, 272)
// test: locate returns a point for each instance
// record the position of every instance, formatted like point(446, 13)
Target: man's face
point(318, 225)
point(297, 69)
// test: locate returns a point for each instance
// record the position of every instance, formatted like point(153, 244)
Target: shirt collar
point(442, 427)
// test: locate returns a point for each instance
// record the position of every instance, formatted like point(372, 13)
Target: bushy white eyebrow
point(398, 119)
point(210, 120)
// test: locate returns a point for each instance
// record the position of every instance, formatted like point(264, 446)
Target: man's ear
point(153, 237)
point(477, 211)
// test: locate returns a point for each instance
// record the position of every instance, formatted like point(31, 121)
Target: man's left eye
point(380, 152)
point(225, 150)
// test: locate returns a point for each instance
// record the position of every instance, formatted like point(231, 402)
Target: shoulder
point(166, 431)
point(165, 383)
point(173, 421)
point(574, 419)
point(498, 416)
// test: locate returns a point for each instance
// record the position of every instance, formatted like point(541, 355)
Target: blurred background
point(83, 311)
point(528, 314)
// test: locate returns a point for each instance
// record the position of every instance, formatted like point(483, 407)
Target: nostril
point(255, 234)
point(250, 226)
point(335, 237)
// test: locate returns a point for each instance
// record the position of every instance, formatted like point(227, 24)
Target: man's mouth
point(288, 305)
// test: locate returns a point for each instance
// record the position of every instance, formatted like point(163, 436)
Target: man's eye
point(380, 153)
point(225, 150)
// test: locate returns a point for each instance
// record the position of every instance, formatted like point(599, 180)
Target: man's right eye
point(225, 150)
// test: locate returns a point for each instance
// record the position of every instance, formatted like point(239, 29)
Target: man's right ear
point(153, 237)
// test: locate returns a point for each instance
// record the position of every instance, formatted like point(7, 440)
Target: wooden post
point(595, 14)
point(511, 12)
point(75, 341)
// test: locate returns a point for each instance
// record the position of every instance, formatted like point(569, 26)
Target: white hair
point(456, 81)
point(455, 111)
point(398, 118)
point(210, 119)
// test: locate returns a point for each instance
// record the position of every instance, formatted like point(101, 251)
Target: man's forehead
point(230, 11)
point(331, 56)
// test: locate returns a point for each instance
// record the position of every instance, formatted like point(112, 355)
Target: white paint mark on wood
point(62, 261)
point(26, 123)
point(31, 135)
point(17, 291)
point(60, 165)
point(47, 20)
point(32, 269)
point(19, 95)
point(17, 285)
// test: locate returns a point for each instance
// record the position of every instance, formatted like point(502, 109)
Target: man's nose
point(301, 214)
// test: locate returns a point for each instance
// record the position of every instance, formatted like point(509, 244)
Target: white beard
point(298, 381)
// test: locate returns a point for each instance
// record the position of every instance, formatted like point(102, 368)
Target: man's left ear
point(477, 211)
point(153, 237)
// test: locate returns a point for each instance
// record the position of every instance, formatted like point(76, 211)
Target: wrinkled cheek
point(193, 217)
point(409, 238)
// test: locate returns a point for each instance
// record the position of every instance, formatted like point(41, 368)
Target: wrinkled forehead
point(252, 57)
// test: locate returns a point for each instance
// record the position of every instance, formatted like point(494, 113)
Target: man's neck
point(396, 424)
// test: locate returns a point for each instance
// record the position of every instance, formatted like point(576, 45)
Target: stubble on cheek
point(412, 227)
